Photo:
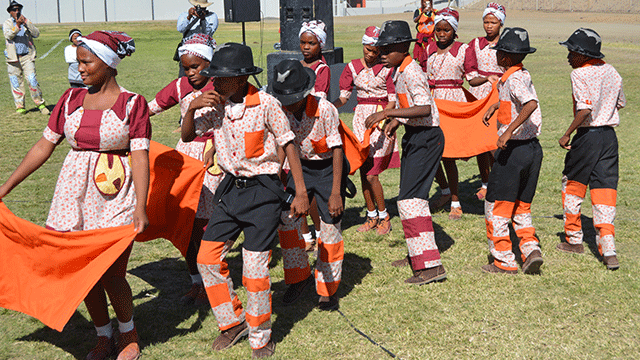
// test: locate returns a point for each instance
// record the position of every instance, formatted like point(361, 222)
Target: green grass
point(575, 309)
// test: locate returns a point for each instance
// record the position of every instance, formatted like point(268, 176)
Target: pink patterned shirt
point(518, 89)
point(323, 78)
point(445, 72)
point(370, 83)
point(597, 86)
point(480, 60)
point(247, 134)
point(317, 132)
point(412, 89)
point(125, 126)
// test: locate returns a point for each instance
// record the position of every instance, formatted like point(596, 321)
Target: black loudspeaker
point(294, 12)
point(241, 10)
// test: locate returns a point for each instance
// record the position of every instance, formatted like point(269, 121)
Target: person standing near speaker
point(197, 20)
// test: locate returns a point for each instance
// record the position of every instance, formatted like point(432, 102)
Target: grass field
point(574, 310)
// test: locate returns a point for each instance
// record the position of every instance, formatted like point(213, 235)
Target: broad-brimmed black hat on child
point(231, 59)
point(14, 4)
point(514, 41)
point(586, 42)
point(394, 32)
point(291, 81)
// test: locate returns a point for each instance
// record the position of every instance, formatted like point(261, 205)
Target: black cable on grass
point(367, 336)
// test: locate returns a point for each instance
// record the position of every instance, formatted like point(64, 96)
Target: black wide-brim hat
point(394, 32)
point(514, 41)
point(14, 3)
point(586, 42)
point(291, 81)
point(231, 59)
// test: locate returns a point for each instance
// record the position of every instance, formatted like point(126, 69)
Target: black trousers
point(593, 158)
point(515, 172)
point(422, 149)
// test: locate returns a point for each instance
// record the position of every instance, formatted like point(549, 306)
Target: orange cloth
point(464, 132)
point(47, 274)
point(355, 151)
point(174, 192)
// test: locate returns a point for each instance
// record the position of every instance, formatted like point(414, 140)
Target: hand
point(21, 20)
point(192, 13)
point(299, 206)
point(208, 158)
point(502, 140)
point(140, 220)
point(208, 98)
point(563, 141)
point(335, 205)
point(374, 119)
point(391, 127)
point(490, 111)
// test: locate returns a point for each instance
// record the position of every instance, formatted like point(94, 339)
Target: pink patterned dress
point(95, 187)
point(481, 60)
point(375, 89)
point(181, 92)
point(445, 72)
point(323, 78)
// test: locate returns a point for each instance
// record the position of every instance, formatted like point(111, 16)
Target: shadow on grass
point(354, 269)
point(589, 235)
point(467, 192)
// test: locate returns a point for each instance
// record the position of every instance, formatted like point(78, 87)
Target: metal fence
point(605, 6)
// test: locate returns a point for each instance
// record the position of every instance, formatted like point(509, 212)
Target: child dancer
point(315, 122)
point(444, 64)
point(480, 60)
point(313, 38)
point(248, 126)
point(104, 124)
point(592, 158)
point(514, 177)
point(374, 84)
point(71, 58)
point(195, 55)
point(422, 147)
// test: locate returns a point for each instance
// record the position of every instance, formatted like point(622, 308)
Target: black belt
point(522, 142)
point(243, 183)
point(594, 129)
point(316, 164)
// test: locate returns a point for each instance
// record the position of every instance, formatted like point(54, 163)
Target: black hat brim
point(289, 99)
point(530, 50)
point(580, 50)
point(228, 72)
point(391, 42)
point(14, 5)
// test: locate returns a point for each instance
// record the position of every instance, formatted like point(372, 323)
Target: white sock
point(318, 234)
point(372, 214)
point(446, 191)
point(307, 237)
point(484, 185)
point(196, 279)
point(106, 330)
point(455, 204)
point(609, 253)
point(383, 214)
point(125, 327)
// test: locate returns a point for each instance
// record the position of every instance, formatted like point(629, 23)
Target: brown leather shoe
point(402, 262)
point(384, 226)
point(440, 202)
point(533, 263)
point(192, 294)
point(611, 262)
point(370, 224)
point(229, 337)
point(328, 303)
point(105, 349)
point(571, 248)
point(265, 351)
point(202, 298)
point(426, 276)
point(295, 290)
point(128, 348)
point(493, 269)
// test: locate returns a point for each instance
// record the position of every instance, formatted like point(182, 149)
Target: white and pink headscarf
point(496, 10)
point(449, 15)
point(200, 45)
point(317, 28)
point(109, 46)
point(371, 35)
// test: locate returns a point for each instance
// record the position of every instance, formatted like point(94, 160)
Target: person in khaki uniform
point(20, 54)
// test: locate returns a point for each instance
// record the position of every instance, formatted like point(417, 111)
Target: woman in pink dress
point(374, 85)
point(195, 55)
point(105, 177)
point(483, 72)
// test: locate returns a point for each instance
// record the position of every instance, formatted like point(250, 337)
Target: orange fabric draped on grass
point(47, 274)
point(465, 135)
